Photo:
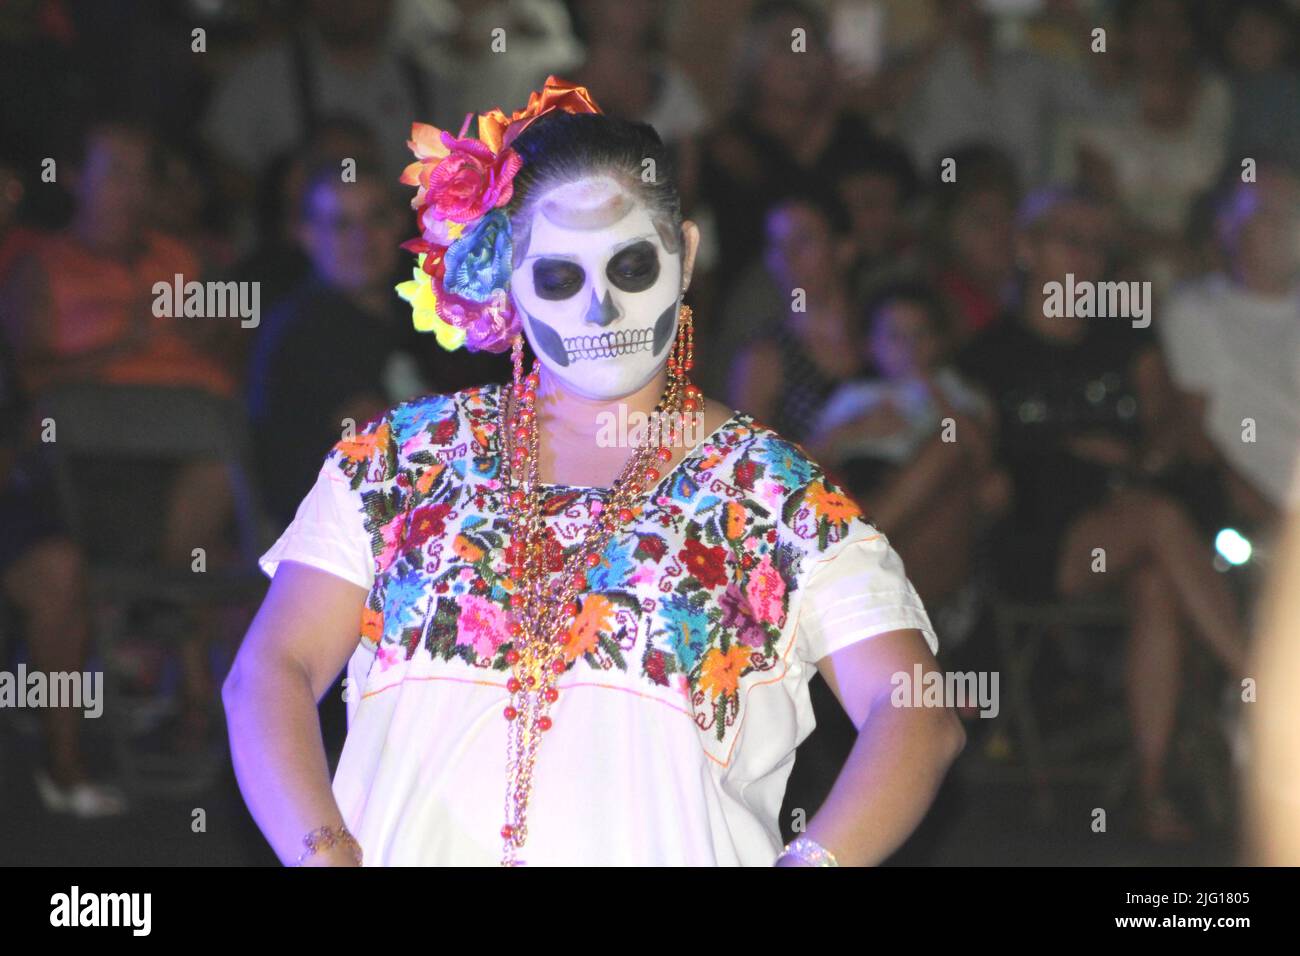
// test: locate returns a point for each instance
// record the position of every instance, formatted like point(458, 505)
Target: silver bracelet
point(810, 851)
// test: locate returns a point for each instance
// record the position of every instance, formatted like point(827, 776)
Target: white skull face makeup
point(598, 288)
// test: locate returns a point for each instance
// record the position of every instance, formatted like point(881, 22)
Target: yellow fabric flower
point(418, 291)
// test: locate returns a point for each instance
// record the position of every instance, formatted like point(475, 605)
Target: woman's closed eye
point(635, 268)
point(557, 278)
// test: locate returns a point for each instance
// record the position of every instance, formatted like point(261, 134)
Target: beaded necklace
point(543, 603)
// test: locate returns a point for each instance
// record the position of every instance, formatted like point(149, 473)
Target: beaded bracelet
point(810, 851)
point(325, 838)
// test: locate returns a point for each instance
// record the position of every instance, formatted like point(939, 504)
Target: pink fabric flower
point(469, 180)
point(766, 591)
point(481, 624)
point(388, 656)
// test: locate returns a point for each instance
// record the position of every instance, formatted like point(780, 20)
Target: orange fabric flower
point(735, 520)
point(720, 673)
point(363, 447)
point(832, 505)
point(428, 477)
point(372, 624)
point(596, 615)
point(498, 131)
point(467, 549)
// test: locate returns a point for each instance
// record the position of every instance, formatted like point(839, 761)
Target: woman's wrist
point(330, 846)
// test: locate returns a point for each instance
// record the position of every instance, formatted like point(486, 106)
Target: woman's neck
point(567, 414)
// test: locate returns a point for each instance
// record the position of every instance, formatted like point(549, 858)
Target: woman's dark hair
point(563, 147)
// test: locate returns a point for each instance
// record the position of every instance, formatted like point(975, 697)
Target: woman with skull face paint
point(631, 613)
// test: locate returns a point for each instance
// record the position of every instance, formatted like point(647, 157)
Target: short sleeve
point(856, 593)
point(328, 532)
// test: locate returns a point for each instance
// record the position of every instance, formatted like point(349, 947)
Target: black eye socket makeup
point(555, 279)
point(635, 268)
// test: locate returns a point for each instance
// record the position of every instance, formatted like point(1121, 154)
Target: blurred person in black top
point(1089, 433)
point(341, 346)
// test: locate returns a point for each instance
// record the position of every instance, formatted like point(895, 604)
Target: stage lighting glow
point(1234, 548)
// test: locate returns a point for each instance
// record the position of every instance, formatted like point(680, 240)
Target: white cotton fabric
point(622, 778)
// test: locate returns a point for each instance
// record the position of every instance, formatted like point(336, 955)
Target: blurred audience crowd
point(885, 190)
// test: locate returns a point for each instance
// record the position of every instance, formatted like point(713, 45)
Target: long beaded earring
point(682, 358)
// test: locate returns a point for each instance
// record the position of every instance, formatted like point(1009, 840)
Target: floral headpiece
point(461, 287)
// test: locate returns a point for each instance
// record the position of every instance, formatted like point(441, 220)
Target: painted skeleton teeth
point(609, 344)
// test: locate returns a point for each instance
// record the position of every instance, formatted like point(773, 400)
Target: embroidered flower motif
point(597, 615)
point(720, 675)
point(366, 446)
point(833, 506)
point(708, 565)
point(788, 466)
point(467, 550)
point(738, 614)
point(372, 624)
point(734, 520)
point(388, 655)
point(427, 521)
point(766, 592)
point(481, 624)
point(402, 599)
point(688, 628)
point(614, 567)
point(676, 620)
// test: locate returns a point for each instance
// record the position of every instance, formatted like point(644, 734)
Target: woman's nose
point(601, 311)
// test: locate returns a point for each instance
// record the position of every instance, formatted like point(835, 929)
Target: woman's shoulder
point(436, 426)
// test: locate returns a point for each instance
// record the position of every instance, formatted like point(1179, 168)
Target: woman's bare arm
point(303, 634)
point(901, 756)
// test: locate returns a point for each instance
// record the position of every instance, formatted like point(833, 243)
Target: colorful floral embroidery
point(694, 600)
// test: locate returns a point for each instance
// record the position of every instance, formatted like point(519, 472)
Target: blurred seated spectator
point(1259, 45)
point(884, 435)
point(878, 186)
point(628, 62)
point(784, 375)
point(37, 559)
point(1162, 138)
point(80, 308)
point(538, 38)
point(277, 261)
point(1233, 342)
point(971, 233)
point(343, 60)
point(963, 85)
point(784, 133)
point(15, 238)
point(1086, 458)
point(341, 346)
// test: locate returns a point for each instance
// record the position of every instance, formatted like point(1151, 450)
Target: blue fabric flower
point(614, 569)
point(409, 416)
point(480, 260)
point(788, 466)
point(401, 603)
point(688, 629)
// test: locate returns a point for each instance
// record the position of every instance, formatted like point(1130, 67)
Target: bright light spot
point(1234, 548)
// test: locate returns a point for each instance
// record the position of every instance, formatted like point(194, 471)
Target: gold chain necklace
point(543, 608)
